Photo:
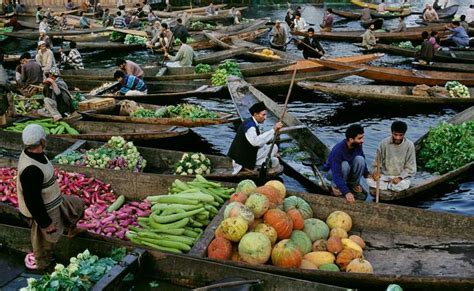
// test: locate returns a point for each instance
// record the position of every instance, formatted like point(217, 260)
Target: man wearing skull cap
point(58, 99)
point(249, 148)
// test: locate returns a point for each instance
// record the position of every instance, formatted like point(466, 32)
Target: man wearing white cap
point(40, 200)
point(43, 25)
point(45, 57)
point(44, 37)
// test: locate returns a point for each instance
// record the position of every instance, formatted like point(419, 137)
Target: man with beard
point(346, 165)
point(397, 160)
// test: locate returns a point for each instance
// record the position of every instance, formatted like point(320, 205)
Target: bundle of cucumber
point(50, 126)
point(178, 219)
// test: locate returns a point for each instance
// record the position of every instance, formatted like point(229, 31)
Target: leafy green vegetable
point(202, 68)
point(117, 36)
point(184, 110)
point(457, 90)
point(404, 44)
point(193, 163)
point(448, 147)
point(135, 39)
point(198, 25)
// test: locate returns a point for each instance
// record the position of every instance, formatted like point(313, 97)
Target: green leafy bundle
point(404, 44)
point(228, 68)
point(116, 36)
point(135, 39)
point(202, 68)
point(457, 90)
point(184, 110)
point(193, 163)
point(448, 147)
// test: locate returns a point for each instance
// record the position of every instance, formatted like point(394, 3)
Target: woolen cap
point(33, 134)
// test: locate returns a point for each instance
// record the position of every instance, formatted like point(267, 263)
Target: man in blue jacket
point(346, 164)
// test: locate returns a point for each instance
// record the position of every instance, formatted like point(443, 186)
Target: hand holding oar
point(265, 165)
point(308, 46)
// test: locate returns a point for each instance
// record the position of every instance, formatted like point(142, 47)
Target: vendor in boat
point(381, 7)
point(19, 8)
point(426, 53)
point(346, 165)
point(151, 17)
point(107, 19)
point(130, 68)
point(134, 22)
point(83, 21)
point(131, 85)
point(368, 38)
point(39, 15)
point(166, 37)
point(62, 22)
point(278, 35)
point(430, 14)
point(70, 5)
point(236, 14)
point(58, 99)
point(366, 17)
point(402, 26)
point(211, 9)
point(119, 21)
point(249, 148)
point(31, 75)
point(86, 6)
point(458, 34)
point(299, 24)
point(180, 30)
point(43, 25)
point(326, 26)
point(153, 33)
point(289, 18)
point(4, 88)
point(72, 60)
point(463, 23)
point(396, 160)
point(49, 16)
point(44, 37)
point(13, 22)
point(45, 57)
point(310, 46)
point(47, 211)
point(434, 40)
point(184, 57)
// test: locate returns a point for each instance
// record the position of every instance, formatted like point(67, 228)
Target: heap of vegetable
point(50, 126)
point(178, 219)
point(193, 163)
point(116, 154)
point(116, 36)
point(100, 89)
point(457, 90)
point(25, 106)
point(135, 39)
point(82, 273)
point(188, 40)
point(198, 25)
point(184, 110)
point(202, 69)
point(404, 44)
point(448, 147)
point(5, 29)
point(228, 68)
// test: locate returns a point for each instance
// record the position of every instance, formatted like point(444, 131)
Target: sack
point(421, 90)
point(127, 107)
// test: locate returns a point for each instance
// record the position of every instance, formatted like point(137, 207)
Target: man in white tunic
point(396, 155)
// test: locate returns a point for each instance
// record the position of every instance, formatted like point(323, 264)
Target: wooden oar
point(312, 48)
point(264, 168)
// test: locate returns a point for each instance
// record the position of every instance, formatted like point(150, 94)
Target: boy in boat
point(184, 57)
point(426, 53)
point(397, 160)
point(73, 59)
point(58, 99)
point(249, 148)
point(310, 46)
point(368, 38)
point(458, 34)
point(40, 201)
point(119, 21)
point(131, 85)
point(346, 165)
point(326, 26)
point(130, 68)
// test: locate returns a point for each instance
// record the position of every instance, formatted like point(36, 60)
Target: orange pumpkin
point(238, 197)
point(235, 257)
point(272, 194)
point(334, 245)
point(280, 221)
point(220, 249)
point(297, 218)
point(286, 254)
point(346, 256)
point(218, 232)
point(255, 223)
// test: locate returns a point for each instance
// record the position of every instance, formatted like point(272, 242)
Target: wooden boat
point(423, 182)
point(90, 130)
point(382, 94)
point(390, 15)
point(414, 77)
point(440, 56)
point(107, 45)
point(149, 266)
point(222, 15)
point(160, 162)
point(447, 12)
point(73, 20)
point(349, 14)
point(216, 57)
point(30, 34)
point(426, 250)
point(450, 67)
point(373, 6)
point(245, 95)
point(378, 23)
point(113, 114)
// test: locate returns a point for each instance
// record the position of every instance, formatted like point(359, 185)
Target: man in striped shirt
point(73, 59)
point(131, 85)
point(119, 21)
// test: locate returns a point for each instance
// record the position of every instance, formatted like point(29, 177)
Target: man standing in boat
point(346, 165)
point(249, 148)
point(40, 201)
point(279, 36)
point(397, 160)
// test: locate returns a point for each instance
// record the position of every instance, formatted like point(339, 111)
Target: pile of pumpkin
point(261, 225)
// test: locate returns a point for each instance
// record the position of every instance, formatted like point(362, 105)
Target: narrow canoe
point(159, 161)
point(222, 15)
point(374, 6)
point(426, 249)
point(423, 182)
point(349, 14)
point(194, 11)
point(382, 94)
point(33, 34)
point(378, 23)
point(450, 67)
point(113, 114)
point(106, 45)
point(153, 266)
point(440, 56)
point(391, 75)
point(404, 13)
point(216, 57)
point(100, 131)
point(448, 12)
point(245, 95)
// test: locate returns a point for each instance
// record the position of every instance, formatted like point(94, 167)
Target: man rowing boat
point(249, 148)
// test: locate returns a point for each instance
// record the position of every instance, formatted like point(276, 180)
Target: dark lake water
point(328, 117)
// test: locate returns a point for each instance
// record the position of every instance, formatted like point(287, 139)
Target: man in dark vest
point(249, 148)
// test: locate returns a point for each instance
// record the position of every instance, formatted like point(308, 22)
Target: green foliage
point(202, 68)
point(116, 36)
point(404, 44)
point(184, 110)
point(457, 90)
point(135, 39)
point(448, 147)
point(193, 163)
point(219, 78)
point(198, 25)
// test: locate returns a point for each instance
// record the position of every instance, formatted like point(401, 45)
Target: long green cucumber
point(182, 239)
point(173, 244)
point(170, 211)
point(196, 196)
point(117, 204)
point(160, 248)
point(191, 233)
point(177, 216)
point(178, 224)
point(177, 231)
point(171, 199)
point(163, 206)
